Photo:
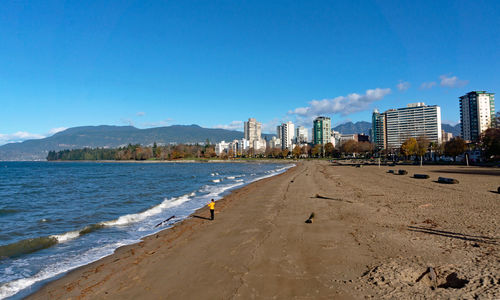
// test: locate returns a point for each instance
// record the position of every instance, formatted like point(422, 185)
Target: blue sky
point(154, 63)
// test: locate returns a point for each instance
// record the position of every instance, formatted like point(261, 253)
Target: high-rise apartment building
point(322, 127)
point(477, 113)
point(378, 130)
point(301, 135)
point(274, 143)
point(287, 133)
point(278, 132)
point(252, 130)
point(415, 120)
point(446, 136)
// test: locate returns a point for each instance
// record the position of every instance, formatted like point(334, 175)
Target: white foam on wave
point(13, 287)
point(61, 238)
point(230, 177)
point(134, 218)
point(275, 172)
point(216, 180)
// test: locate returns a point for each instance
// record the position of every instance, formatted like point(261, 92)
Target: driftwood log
point(161, 223)
point(402, 172)
point(447, 180)
point(311, 219)
point(420, 176)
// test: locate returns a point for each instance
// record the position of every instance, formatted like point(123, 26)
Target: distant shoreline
point(283, 161)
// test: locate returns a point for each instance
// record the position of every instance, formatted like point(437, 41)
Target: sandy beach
point(374, 235)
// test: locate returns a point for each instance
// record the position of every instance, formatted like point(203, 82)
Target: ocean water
point(55, 217)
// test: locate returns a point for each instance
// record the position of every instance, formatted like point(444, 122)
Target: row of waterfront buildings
point(389, 129)
point(288, 136)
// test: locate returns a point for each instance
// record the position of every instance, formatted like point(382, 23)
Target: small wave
point(239, 180)
point(91, 228)
point(133, 218)
point(230, 177)
point(7, 211)
point(27, 246)
point(35, 244)
point(61, 238)
point(216, 180)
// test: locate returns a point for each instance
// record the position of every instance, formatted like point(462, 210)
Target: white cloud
point(427, 85)
point(140, 113)
point(344, 105)
point(234, 125)
point(19, 137)
point(452, 82)
point(270, 127)
point(56, 130)
point(403, 85)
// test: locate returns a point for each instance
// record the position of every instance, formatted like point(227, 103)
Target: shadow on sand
point(456, 235)
point(328, 198)
point(200, 217)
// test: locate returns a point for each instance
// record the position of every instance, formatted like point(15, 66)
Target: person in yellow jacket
point(211, 205)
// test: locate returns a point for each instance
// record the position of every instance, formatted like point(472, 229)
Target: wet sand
point(374, 234)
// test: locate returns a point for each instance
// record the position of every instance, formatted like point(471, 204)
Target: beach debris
point(402, 172)
point(420, 176)
point(390, 171)
point(499, 189)
point(447, 180)
point(432, 276)
point(358, 166)
point(161, 223)
point(311, 218)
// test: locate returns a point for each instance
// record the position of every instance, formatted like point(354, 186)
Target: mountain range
point(351, 128)
point(105, 136)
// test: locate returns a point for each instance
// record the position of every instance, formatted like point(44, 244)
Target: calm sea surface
point(55, 217)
